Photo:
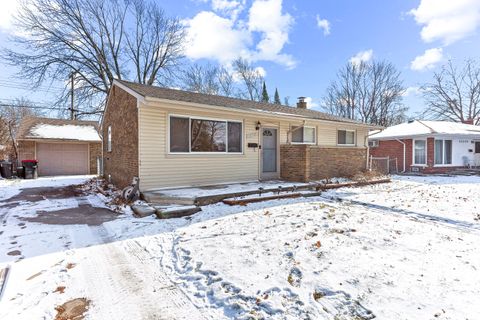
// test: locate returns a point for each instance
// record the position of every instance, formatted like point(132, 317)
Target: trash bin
point(30, 169)
point(20, 172)
point(6, 169)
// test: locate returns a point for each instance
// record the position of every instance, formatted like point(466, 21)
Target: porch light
point(257, 125)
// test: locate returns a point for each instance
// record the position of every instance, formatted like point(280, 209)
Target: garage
point(61, 146)
point(62, 159)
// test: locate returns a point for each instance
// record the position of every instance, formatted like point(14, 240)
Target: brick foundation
point(121, 164)
point(305, 163)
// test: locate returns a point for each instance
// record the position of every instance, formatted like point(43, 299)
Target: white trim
point(190, 152)
point(128, 90)
point(347, 144)
point(303, 127)
point(426, 153)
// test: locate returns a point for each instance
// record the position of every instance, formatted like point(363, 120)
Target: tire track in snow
point(125, 281)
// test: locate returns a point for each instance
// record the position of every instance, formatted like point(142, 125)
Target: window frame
point(189, 152)
point(413, 153)
point(347, 144)
point(303, 128)
point(109, 138)
point(443, 164)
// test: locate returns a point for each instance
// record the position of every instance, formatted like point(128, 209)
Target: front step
point(168, 212)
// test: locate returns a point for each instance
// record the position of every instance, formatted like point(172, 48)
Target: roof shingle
point(222, 101)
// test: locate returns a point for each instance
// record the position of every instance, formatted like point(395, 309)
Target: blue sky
point(300, 45)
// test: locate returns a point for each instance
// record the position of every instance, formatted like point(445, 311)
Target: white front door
point(269, 153)
point(477, 154)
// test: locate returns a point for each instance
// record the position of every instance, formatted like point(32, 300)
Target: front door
point(269, 153)
point(477, 154)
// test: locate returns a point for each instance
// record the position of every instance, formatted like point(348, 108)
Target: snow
point(403, 250)
point(67, 132)
point(237, 188)
point(419, 128)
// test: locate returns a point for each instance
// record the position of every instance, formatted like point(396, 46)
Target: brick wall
point(430, 152)
point(305, 163)
point(121, 164)
point(336, 162)
point(95, 150)
point(394, 149)
point(294, 162)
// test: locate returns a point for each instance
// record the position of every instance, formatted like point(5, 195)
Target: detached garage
point(62, 147)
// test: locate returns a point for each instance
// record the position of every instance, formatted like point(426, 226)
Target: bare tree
point(10, 118)
point(454, 93)
point(251, 79)
point(369, 92)
point(203, 79)
point(91, 39)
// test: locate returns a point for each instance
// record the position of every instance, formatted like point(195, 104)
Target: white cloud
point(412, 91)
point(323, 24)
point(213, 37)
point(362, 56)
point(310, 103)
point(7, 13)
point(428, 60)
point(266, 17)
point(447, 20)
point(231, 8)
point(222, 36)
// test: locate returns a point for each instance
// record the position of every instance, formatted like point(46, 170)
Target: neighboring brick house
point(173, 138)
point(428, 146)
point(62, 147)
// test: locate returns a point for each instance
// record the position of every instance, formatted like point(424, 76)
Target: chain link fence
point(384, 165)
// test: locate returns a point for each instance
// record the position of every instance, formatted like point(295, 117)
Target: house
point(173, 138)
point(62, 147)
point(428, 146)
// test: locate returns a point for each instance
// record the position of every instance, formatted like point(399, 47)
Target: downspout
point(404, 153)
point(368, 151)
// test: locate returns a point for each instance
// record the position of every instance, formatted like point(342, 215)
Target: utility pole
point(72, 110)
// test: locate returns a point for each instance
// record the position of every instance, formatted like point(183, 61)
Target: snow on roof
point(65, 132)
point(420, 128)
point(60, 129)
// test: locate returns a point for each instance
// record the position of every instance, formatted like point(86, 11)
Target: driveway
point(55, 243)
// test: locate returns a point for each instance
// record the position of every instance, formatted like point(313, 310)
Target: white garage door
point(62, 159)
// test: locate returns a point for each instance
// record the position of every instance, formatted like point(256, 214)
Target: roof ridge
point(431, 129)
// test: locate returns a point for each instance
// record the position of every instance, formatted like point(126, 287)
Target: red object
point(30, 161)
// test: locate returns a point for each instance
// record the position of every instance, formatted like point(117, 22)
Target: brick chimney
point(302, 104)
point(468, 121)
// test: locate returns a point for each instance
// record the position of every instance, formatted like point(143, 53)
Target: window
point(420, 152)
point(109, 139)
point(477, 147)
point(191, 135)
point(346, 137)
point(303, 135)
point(443, 151)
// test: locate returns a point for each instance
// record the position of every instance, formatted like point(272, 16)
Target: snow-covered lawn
point(405, 250)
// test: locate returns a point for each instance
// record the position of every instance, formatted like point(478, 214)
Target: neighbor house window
point(109, 138)
point(443, 151)
point(303, 135)
point(346, 137)
point(204, 135)
point(420, 152)
point(373, 143)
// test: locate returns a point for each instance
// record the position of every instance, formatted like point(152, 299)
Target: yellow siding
point(159, 169)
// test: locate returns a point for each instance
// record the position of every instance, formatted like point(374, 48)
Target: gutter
point(404, 153)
